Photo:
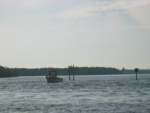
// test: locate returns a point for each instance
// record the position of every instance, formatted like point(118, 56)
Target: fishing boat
point(52, 77)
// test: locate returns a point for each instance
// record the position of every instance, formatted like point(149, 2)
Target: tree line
point(13, 72)
point(141, 71)
point(64, 71)
point(7, 72)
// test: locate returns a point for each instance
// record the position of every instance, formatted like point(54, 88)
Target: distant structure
point(71, 71)
point(123, 70)
point(136, 71)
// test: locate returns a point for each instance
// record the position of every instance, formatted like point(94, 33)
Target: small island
point(7, 72)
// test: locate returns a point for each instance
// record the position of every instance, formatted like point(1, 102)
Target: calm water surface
point(87, 94)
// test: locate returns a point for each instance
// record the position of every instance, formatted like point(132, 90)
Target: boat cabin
point(52, 74)
point(52, 77)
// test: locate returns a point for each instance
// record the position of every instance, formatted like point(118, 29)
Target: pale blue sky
point(58, 33)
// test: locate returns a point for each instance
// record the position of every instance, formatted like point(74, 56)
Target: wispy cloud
point(25, 3)
point(123, 4)
point(91, 8)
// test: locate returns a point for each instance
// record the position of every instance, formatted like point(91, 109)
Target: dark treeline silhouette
point(141, 71)
point(64, 71)
point(13, 72)
point(7, 72)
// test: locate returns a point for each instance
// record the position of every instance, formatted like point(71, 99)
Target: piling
point(71, 71)
point(136, 71)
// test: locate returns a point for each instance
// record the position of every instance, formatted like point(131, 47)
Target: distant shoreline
point(15, 72)
point(8, 76)
point(64, 71)
point(7, 72)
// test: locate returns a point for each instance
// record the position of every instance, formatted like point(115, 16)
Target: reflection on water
point(87, 94)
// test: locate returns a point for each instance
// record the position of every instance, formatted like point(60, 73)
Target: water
point(87, 94)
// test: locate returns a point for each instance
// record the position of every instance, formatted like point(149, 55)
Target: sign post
point(136, 71)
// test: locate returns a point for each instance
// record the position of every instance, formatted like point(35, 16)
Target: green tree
point(6, 72)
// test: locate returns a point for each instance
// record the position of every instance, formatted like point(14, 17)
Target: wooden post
point(73, 76)
point(136, 75)
point(69, 76)
point(136, 71)
point(71, 71)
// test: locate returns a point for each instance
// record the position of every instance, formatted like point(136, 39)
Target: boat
point(52, 77)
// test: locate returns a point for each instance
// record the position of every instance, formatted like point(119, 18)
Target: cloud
point(141, 14)
point(123, 4)
point(25, 3)
point(92, 8)
point(79, 12)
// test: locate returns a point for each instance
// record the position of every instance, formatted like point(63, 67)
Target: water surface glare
point(87, 94)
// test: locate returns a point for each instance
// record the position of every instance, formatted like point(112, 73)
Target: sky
point(59, 33)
